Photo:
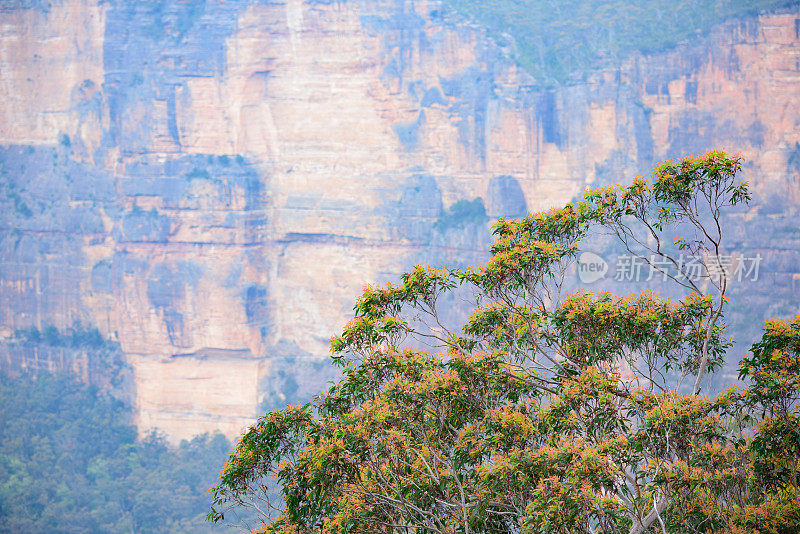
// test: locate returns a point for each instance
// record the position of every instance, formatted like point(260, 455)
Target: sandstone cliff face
point(211, 184)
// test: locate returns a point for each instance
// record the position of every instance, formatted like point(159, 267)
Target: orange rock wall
point(260, 163)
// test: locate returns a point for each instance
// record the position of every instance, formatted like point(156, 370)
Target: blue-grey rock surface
point(211, 184)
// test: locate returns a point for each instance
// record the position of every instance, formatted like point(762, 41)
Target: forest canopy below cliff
point(70, 462)
point(562, 41)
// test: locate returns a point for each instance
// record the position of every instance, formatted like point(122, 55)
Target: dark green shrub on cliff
point(462, 213)
point(77, 336)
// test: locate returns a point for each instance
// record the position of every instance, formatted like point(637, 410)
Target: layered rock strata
point(211, 184)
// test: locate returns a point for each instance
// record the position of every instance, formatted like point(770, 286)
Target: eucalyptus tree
point(543, 411)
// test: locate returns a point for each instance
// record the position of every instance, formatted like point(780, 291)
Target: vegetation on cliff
point(461, 213)
point(544, 412)
point(562, 41)
point(70, 462)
